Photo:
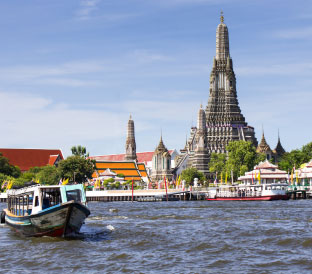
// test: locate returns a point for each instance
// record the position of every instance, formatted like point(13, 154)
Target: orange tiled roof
point(27, 158)
point(129, 169)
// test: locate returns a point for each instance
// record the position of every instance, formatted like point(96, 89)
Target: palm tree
point(80, 151)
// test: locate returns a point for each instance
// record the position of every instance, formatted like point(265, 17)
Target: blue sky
point(72, 71)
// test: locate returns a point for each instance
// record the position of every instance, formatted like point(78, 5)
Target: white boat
point(57, 210)
point(253, 192)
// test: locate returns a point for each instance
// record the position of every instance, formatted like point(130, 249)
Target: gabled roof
point(142, 157)
point(53, 159)
point(265, 165)
point(27, 158)
point(130, 169)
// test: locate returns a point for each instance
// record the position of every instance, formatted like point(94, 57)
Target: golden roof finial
point(222, 17)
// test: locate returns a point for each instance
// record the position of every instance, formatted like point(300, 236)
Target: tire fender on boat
point(2, 217)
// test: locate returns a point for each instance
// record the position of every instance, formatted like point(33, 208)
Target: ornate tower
point(130, 142)
point(201, 156)
point(264, 148)
point(225, 122)
point(279, 150)
point(161, 163)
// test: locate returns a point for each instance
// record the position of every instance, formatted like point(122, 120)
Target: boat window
point(36, 201)
point(50, 197)
point(74, 195)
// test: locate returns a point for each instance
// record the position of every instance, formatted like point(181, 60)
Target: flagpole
point(166, 188)
point(132, 189)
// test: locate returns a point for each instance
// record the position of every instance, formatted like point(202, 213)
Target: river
point(173, 237)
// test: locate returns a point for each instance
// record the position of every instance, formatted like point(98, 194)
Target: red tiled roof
point(27, 158)
point(52, 159)
point(142, 157)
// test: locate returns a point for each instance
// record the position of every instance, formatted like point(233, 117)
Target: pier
point(152, 195)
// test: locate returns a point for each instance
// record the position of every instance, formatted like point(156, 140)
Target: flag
point(65, 182)
point(221, 179)
point(226, 175)
point(259, 177)
point(252, 181)
point(4, 184)
point(166, 188)
point(216, 180)
point(292, 177)
point(10, 184)
point(297, 179)
point(60, 182)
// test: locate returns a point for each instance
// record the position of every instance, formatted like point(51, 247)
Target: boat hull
point(252, 198)
point(57, 221)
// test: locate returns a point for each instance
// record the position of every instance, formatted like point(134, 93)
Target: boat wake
point(92, 234)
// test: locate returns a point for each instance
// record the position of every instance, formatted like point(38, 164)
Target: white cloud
point(87, 7)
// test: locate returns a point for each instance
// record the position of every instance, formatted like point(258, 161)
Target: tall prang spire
point(201, 156)
point(130, 142)
point(222, 40)
point(223, 114)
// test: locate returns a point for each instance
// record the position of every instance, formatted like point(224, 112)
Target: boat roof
point(29, 189)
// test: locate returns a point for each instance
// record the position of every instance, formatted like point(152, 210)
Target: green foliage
point(117, 185)
point(120, 175)
point(76, 168)
point(28, 176)
point(129, 182)
point(296, 157)
point(105, 183)
point(48, 175)
point(80, 151)
point(8, 169)
point(217, 162)
point(242, 156)
point(110, 180)
point(190, 174)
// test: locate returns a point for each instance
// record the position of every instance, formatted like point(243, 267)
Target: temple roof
point(263, 147)
point(265, 165)
point(279, 150)
point(161, 148)
point(143, 157)
point(27, 158)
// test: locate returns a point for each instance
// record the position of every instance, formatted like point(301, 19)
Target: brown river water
point(173, 237)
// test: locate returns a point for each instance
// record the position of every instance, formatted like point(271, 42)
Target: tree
point(190, 174)
point(48, 175)
point(76, 168)
point(292, 159)
point(242, 156)
point(307, 152)
point(8, 169)
point(217, 162)
point(80, 151)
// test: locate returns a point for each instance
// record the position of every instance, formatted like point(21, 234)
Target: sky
point(71, 72)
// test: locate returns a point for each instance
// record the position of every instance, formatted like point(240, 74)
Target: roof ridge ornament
point(222, 17)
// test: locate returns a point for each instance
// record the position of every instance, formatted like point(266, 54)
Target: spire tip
point(222, 17)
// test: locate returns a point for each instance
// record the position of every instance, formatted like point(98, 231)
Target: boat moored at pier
point(57, 210)
point(263, 192)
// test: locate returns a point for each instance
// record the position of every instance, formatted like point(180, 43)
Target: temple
point(273, 155)
point(222, 120)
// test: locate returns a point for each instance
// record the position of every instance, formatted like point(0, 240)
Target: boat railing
point(229, 194)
